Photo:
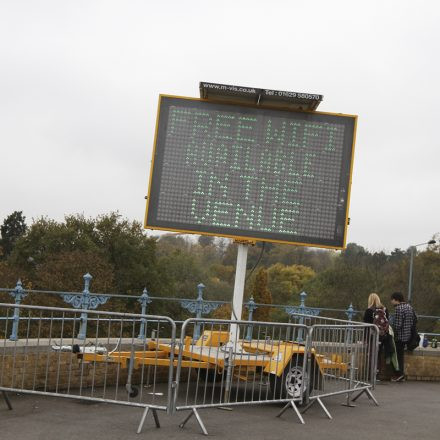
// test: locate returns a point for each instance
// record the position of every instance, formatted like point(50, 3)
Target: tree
point(377, 266)
point(130, 252)
point(261, 294)
point(64, 271)
point(13, 227)
point(223, 312)
point(182, 272)
point(398, 255)
point(426, 282)
point(169, 243)
point(206, 240)
point(286, 281)
point(119, 242)
point(9, 275)
point(340, 286)
point(223, 273)
point(354, 255)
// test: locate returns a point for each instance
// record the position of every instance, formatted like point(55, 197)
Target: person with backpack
point(404, 322)
point(377, 314)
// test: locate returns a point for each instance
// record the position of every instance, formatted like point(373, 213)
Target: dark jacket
point(386, 341)
point(369, 315)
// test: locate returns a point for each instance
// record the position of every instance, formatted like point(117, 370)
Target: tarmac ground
point(409, 410)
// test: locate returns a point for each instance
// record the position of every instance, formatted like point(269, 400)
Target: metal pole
point(251, 307)
point(85, 305)
point(19, 294)
point(411, 262)
point(302, 308)
point(199, 310)
point(144, 300)
point(350, 312)
point(237, 300)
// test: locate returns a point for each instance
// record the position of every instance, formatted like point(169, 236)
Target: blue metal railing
point(199, 306)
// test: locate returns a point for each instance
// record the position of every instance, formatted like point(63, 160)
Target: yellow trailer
point(280, 361)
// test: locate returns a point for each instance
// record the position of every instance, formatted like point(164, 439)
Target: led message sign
point(251, 172)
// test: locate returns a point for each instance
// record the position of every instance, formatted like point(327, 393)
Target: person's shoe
point(400, 378)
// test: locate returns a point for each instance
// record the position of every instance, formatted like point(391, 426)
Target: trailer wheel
point(292, 383)
point(133, 392)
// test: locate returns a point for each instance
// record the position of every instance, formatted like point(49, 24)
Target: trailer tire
point(292, 383)
point(133, 392)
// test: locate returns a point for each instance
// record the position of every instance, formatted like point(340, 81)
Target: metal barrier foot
point(348, 403)
point(369, 395)
point(309, 405)
point(8, 402)
point(199, 420)
point(283, 410)
point(295, 408)
point(144, 416)
point(324, 408)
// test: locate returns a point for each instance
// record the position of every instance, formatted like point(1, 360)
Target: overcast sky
point(79, 84)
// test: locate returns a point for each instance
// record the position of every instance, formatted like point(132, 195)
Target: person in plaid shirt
point(404, 318)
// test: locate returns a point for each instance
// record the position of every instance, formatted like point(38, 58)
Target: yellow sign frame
point(249, 238)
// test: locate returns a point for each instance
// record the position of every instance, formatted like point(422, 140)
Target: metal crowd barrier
point(138, 360)
point(347, 357)
point(228, 368)
point(352, 344)
point(112, 365)
point(289, 363)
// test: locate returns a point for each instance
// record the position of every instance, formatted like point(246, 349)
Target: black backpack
point(414, 340)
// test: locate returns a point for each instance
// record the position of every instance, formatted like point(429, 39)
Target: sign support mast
point(237, 299)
